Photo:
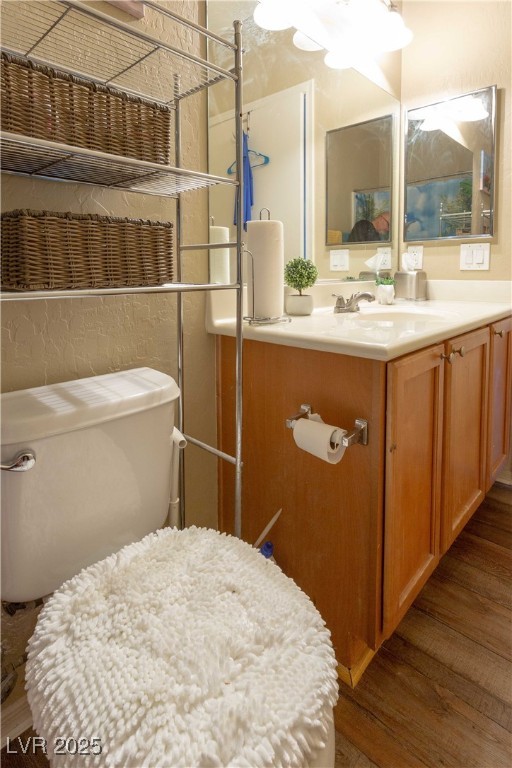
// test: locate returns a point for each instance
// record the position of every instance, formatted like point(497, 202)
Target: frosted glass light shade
point(273, 16)
point(395, 34)
point(305, 43)
point(338, 60)
point(351, 31)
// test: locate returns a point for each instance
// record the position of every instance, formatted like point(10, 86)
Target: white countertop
point(378, 332)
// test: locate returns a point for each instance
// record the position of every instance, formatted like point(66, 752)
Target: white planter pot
point(385, 294)
point(296, 304)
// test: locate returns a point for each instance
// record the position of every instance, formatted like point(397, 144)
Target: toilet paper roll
point(319, 439)
point(265, 271)
point(219, 257)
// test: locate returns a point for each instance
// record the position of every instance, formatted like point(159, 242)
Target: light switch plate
point(475, 256)
point(339, 260)
point(385, 254)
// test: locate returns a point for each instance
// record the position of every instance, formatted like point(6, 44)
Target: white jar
point(296, 304)
point(385, 294)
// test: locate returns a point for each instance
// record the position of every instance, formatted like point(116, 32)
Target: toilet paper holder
point(358, 435)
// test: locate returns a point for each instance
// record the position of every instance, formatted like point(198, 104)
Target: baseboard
point(352, 675)
point(16, 718)
point(505, 477)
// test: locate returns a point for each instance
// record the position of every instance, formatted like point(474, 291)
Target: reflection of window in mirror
point(450, 155)
point(359, 172)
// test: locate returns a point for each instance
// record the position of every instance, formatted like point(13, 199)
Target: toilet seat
point(187, 648)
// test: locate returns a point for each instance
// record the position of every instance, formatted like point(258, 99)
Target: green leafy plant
point(300, 274)
point(384, 280)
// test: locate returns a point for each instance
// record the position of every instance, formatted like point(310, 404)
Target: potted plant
point(299, 274)
point(385, 290)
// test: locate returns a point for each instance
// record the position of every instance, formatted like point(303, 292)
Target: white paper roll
point(219, 257)
point(265, 271)
point(319, 439)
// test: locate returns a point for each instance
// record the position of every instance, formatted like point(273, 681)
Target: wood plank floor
point(439, 692)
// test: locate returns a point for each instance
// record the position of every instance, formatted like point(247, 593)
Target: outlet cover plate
point(385, 257)
point(415, 256)
point(339, 260)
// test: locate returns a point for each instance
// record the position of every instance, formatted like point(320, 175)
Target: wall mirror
point(450, 168)
point(359, 175)
point(305, 100)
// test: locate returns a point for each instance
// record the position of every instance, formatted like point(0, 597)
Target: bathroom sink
point(396, 313)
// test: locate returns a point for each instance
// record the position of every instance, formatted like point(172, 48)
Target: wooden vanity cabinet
point(362, 537)
point(414, 420)
point(464, 431)
point(500, 392)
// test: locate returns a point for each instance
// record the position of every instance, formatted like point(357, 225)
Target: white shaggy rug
point(188, 648)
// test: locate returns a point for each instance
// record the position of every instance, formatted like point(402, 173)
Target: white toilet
point(159, 647)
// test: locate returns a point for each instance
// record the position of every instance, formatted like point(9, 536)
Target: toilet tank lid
point(53, 409)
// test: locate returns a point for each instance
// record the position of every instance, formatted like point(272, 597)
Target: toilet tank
point(101, 477)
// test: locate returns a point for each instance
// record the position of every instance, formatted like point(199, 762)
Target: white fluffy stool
point(187, 648)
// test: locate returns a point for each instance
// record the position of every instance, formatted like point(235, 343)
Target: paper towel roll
point(219, 257)
point(319, 439)
point(265, 271)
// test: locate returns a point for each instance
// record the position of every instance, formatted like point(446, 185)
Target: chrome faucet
point(351, 304)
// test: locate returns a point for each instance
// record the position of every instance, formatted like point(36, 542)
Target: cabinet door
point(465, 431)
point(413, 466)
point(500, 390)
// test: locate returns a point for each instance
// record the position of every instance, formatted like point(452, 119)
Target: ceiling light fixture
point(350, 31)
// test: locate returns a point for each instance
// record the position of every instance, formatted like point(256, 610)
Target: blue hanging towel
point(248, 189)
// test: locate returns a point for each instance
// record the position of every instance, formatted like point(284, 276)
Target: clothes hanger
point(258, 156)
point(255, 158)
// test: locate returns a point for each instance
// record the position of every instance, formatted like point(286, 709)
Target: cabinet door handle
point(499, 333)
point(460, 351)
point(448, 358)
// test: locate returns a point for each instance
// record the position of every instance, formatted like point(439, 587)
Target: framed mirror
point(359, 174)
point(305, 100)
point(450, 168)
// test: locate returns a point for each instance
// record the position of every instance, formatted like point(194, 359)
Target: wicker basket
point(43, 250)
point(46, 104)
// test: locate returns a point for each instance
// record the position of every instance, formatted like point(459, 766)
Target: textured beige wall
point(461, 46)
point(59, 340)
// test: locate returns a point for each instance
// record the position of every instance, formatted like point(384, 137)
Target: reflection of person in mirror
point(381, 224)
point(362, 232)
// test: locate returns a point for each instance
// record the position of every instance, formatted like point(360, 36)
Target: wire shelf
point(48, 160)
point(82, 293)
point(82, 41)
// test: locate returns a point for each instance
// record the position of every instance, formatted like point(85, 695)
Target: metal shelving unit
point(461, 222)
point(82, 41)
point(49, 160)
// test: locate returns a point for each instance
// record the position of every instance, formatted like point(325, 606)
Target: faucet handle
point(340, 300)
